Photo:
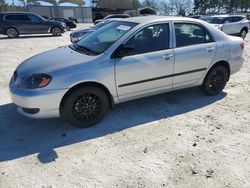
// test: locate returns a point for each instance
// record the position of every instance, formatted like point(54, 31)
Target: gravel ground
point(178, 139)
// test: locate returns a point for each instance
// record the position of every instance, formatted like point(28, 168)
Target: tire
point(85, 106)
point(215, 80)
point(243, 33)
point(12, 32)
point(56, 31)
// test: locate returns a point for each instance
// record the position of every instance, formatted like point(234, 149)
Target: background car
point(74, 19)
point(122, 61)
point(69, 24)
point(77, 35)
point(112, 16)
point(230, 24)
point(14, 24)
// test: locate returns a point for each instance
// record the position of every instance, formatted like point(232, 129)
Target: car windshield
point(100, 40)
point(214, 20)
point(101, 24)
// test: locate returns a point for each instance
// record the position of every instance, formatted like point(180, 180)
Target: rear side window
point(237, 18)
point(187, 34)
point(16, 17)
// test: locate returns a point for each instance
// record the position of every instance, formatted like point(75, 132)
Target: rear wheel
point(243, 33)
point(56, 31)
point(85, 106)
point(12, 32)
point(215, 81)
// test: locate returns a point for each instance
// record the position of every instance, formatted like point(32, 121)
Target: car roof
point(144, 19)
point(224, 16)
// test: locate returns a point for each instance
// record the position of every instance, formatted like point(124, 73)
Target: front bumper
point(47, 101)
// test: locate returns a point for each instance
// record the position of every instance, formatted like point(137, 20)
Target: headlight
point(35, 81)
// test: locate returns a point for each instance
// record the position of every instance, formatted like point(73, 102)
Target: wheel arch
point(53, 26)
point(5, 31)
point(222, 63)
point(92, 84)
point(245, 28)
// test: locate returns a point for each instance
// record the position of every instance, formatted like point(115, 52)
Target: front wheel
point(215, 81)
point(85, 106)
point(56, 31)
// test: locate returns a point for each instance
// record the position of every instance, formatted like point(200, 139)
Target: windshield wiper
point(77, 48)
point(89, 51)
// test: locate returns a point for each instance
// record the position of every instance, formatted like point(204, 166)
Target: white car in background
point(231, 24)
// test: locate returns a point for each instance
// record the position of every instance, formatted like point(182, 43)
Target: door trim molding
point(162, 77)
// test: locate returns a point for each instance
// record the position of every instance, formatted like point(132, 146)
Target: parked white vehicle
point(122, 61)
point(230, 24)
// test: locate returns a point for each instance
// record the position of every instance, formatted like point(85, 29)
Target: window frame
point(193, 23)
point(142, 28)
point(16, 20)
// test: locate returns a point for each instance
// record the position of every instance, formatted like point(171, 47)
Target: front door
point(147, 65)
point(37, 25)
point(194, 52)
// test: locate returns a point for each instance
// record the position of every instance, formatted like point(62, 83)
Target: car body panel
point(28, 27)
point(71, 68)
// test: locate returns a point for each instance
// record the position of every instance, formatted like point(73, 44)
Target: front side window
point(34, 18)
point(150, 39)
point(227, 20)
point(100, 40)
point(191, 34)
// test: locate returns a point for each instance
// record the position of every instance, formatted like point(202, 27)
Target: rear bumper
point(236, 63)
point(27, 100)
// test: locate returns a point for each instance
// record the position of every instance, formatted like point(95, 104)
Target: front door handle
point(168, 56)
point(210, 49)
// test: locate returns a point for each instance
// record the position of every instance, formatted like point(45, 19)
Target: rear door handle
point(168, 56)
point(210, 49)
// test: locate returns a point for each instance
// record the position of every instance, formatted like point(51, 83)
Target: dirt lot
point(179, 139)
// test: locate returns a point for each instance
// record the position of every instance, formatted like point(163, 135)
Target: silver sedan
point(122, 61)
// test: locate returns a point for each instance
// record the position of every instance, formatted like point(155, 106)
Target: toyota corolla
point(122, 61)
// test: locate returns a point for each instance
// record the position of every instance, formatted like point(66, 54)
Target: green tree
point(3, 5)
point(135, 4)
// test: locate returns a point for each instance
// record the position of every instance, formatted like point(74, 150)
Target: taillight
point(242, 45)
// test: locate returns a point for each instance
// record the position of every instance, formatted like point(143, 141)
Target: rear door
point(19, 21)
point(194, 52)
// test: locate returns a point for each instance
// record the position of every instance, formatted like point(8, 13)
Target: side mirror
point(123, 51)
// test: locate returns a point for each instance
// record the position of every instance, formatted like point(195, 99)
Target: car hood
point(53, 60)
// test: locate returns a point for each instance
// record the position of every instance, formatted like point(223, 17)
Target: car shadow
point(21, 136)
